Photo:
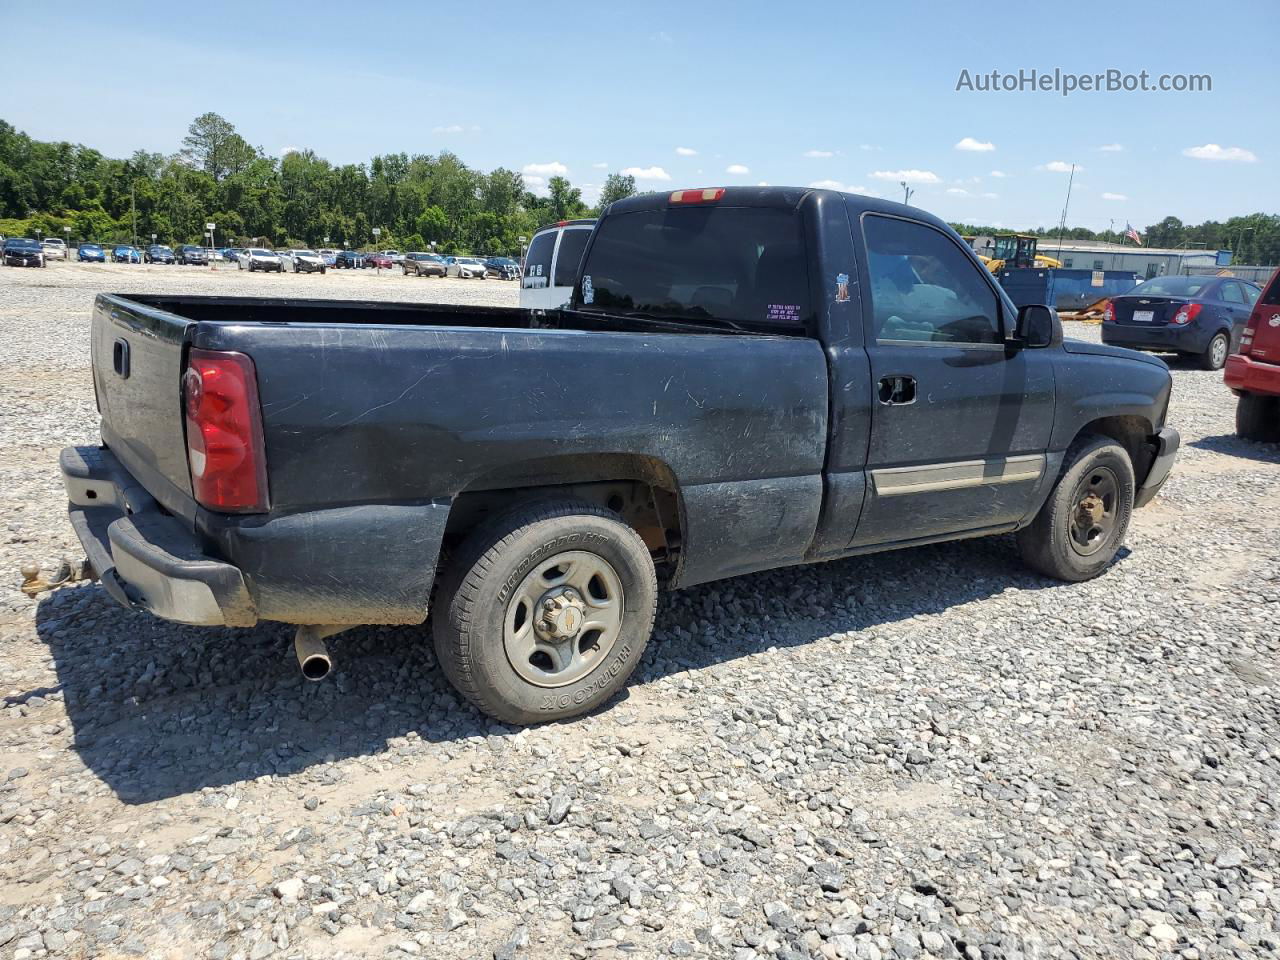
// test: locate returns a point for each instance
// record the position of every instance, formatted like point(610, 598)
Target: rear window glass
point(742, 264)
point(569, 256)
point(1172, 287)
point(537, 270)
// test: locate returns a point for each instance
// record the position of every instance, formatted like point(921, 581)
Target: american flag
point(1132, 234)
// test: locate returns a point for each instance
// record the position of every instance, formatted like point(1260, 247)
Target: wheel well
point(641, 490)
point(1132, 433)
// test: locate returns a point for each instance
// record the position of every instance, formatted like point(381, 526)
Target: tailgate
point(138, 356)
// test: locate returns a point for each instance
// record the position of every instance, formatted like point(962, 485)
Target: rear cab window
point(740, 265)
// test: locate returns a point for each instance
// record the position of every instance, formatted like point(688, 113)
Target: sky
point(696, 94)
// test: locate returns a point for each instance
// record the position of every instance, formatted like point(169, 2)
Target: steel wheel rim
point(1095, 508)
point(563, 619)
point(1219, 354)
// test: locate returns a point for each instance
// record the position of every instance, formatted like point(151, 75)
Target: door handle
point(897, 390)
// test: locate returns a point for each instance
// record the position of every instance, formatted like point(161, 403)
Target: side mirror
point(1037, 326)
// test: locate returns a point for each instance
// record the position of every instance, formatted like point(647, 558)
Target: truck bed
point(374, 412)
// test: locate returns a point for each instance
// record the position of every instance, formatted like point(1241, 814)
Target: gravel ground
point(923, 754)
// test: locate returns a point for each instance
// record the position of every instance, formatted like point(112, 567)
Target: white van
point(551, 265)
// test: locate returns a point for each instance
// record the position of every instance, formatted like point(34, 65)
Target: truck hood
point(1106, 350)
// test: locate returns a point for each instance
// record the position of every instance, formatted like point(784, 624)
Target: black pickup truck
point(745, 378)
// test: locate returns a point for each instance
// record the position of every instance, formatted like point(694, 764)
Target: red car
point(379, 260)
point(1253, 374)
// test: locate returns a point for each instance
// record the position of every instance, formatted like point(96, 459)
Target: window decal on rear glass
point(842, 287)
point(785, 312)
point(588, 291)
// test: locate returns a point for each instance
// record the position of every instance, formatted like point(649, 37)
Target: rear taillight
point(225, 447)
point(1250, 328)
point(1186, 313)
point(1109, 316)
point(709, 195)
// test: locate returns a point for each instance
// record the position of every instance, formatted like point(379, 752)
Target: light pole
point(1240, 241)
point(522, 242)
point(213, 265)
point(66, 241)
point(377, 264)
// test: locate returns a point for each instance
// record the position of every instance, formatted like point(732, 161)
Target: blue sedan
point(91, 253)
point(126, 254)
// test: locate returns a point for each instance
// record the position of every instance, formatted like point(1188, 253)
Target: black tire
point(1215, 353)
point(1052, 543)
point(1258, 418)
point(471, 608)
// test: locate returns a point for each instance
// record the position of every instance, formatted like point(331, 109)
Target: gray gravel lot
point(929, 753)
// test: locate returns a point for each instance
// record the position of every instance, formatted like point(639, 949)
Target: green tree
point(617, 186)
point(212, 145)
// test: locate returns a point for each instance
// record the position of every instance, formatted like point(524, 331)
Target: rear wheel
point(1080, 527)
point(1258, 417)
point(544, 612)
point(1215, 354)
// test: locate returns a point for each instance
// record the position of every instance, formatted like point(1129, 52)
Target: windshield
point(161, 249)
point(90, 248)
point(261, 253)
point(22, 244)
point(1171, 287)
point(304, 253)
point(740, 264)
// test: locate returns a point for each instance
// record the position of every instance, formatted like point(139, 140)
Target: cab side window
point(923, 289)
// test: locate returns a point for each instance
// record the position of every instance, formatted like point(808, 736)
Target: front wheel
point(1215, 354)
point(544, 612)
point(1258, 418)
point(1080, 527)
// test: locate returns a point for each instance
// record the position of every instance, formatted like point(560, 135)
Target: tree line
point(295, 200)
point(299, 199)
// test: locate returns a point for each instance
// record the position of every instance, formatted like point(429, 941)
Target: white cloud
point(763, 183)
point(818, 154)
point(868, 147)
point(910, 176)
point(975, 146)
point(1114, 196)
point(1111, 148)
point(451, 128)
point(999, 174)
point(532, 181)
point(842, 187)
point(552, 169)
point(647, 173)
point(686, 151)
point(958, 191)
point(1059, 166)
point(600, 166)
point(737, 169)
point(990, 196)
point(1211, 151)
point(288, 150)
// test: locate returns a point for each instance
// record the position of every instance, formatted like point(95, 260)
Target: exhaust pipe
point(313, 652)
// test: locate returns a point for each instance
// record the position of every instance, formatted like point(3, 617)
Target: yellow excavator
point(1017, 250)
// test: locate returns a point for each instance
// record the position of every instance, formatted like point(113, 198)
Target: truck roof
point(785, 197)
